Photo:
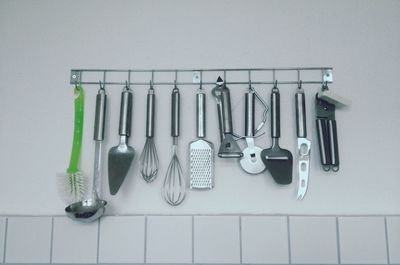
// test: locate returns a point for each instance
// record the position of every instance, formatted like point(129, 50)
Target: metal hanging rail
point(325, 73)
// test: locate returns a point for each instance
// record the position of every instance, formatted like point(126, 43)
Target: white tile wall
point(28, 240)
point(74, 242)
point(169, 239)
point(216, 239)
point(362, 240)
point(265, 240)
point(202, 240)
point(313, 240)
point(393, 233)
point(2, 237)
point(122, 239)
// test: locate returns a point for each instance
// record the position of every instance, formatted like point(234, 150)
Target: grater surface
point(201, 165)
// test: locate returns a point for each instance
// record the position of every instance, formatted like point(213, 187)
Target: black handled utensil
point(278, 161)
point(327, 134)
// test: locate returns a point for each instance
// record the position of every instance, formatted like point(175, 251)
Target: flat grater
point(201, 151)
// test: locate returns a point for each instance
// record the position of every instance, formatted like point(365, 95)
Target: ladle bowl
point(86, 211)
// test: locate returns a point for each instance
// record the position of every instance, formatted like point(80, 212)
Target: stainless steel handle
point(301, 124)
point(151, 97)
point(175, 98)
point(201, 114)
point(249, 114)
point(100, 115)
point(275, 113)
point(125, 118)
point(226, 110)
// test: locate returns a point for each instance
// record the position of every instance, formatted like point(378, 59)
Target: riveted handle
point(175, 99)
point(125, 118)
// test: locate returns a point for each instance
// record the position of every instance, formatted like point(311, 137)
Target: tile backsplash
point(201, 239)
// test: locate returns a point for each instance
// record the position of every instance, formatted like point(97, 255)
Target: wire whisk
point(148, 162)
point(173, 190)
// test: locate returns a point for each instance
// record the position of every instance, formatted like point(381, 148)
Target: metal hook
point(104, 77)
point(129, 77)
point(151, 85)
point(275, 84)
point(126, 84)
point(273, 76)
point(299, 83)
point(176, 76)
point(324, 85)
point(201, 80)
point(152, 77)
point(101, 85)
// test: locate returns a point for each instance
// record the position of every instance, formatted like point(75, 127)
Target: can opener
point(325, 105)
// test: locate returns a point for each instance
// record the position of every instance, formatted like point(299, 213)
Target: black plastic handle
point(333, 143)
point(275, 113)
point(323, 143)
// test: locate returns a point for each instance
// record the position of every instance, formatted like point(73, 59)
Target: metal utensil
point(120, 157)
point(173, 189)
point(93, 208)
point(201, 150)
point(327, 133)
point(303, 144)
point(251, 161)
point(228, 148)
point(278, 161)
point(148, 161)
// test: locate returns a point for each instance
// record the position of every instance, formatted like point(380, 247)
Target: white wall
point(40, 41)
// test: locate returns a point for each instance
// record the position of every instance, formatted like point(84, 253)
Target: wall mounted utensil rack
point(325, 75)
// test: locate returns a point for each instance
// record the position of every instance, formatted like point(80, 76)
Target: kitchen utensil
point(201, 150)
point(217, 93)
point(278, 161)
point(228, 148)
point(120, 157)
point(303, 144)
point(73, 185)
point(327, 133)
point(173, 190)
point(251, 161)
point(93, 208)
point(148, 161)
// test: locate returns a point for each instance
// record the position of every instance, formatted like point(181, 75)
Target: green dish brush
point(73, 184)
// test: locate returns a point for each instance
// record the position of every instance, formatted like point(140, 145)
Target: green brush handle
point(78, 130)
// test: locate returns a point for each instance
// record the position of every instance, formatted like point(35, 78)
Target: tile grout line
point(98, 241)
point(5, 240)
point(289, 245)
point(338, 241)
point(145, 240)
point(387, 241)
point(192, 239)
point(51, 240)
point(240, 240)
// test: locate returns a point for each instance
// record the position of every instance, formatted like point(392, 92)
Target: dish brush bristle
point(72, 186)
